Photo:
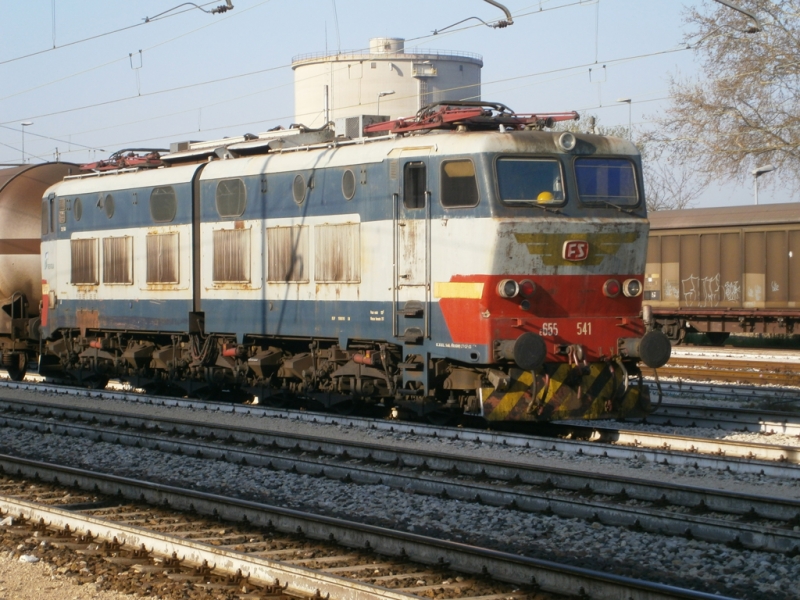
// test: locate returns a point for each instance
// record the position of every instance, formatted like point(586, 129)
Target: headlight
point(567, 141)
point(632, 288)
point(508, 288)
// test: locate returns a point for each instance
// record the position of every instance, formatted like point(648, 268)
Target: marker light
point(567, 141)
point(527, 288)
point(508, 288)
point(611, 288)
point(631, 287)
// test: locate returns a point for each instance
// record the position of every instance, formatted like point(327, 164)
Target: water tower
point(389, 80)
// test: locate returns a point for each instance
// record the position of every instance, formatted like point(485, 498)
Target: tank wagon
point(21, 189)
point(464, 260)
point(724, 270)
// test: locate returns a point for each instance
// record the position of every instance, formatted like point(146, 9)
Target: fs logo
point(575, 250)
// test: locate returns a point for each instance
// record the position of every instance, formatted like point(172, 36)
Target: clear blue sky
point(559, 55)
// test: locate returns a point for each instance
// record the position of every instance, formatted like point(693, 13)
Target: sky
point(96, 76)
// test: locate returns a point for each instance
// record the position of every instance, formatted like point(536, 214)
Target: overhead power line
point(145, 21)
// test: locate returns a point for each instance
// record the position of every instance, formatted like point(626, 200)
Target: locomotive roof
point(339, 153)
point(726, 216)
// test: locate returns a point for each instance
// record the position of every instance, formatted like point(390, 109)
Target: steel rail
point(695, 445)
point(521, 570)
point(714, 391)
point(713, 373)
point(754, 537)
point(699, 500)
point(739, 457)
point(729, 419)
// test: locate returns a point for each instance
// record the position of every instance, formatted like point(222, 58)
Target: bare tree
point(744, 111)
point(670, 184)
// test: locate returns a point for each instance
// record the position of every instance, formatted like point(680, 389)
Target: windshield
point(606, 180)
point(530, 181)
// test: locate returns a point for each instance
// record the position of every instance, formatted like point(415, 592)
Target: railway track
point(740, 366)
point(665, 448)
point(740, 419)
point(753, 522)
point(221, 555)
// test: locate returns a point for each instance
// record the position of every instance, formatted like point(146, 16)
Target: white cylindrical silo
point(388, 79)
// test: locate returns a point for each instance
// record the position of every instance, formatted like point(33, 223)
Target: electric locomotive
point(463, 261)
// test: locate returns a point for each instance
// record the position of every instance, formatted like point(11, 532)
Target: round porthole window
point(348, 184)
point(77, 209)
point(108, 204)
point(299, 189)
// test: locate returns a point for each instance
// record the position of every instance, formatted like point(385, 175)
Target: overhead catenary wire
point(92, 37)
point(241, 75)
point(127, 56)
point(487, 83)
point(244, 124)
point(539, 10)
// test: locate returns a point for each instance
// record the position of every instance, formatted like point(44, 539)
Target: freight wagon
point(724, 270)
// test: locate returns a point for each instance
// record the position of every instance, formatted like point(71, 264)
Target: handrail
point(406, 53)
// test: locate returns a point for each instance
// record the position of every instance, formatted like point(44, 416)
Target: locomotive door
point(412, 232)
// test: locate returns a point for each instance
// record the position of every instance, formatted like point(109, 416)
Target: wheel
point(440, 418)
point(345, 408)
point(17, 365)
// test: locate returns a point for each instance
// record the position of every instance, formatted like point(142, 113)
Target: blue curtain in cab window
point(606, 179)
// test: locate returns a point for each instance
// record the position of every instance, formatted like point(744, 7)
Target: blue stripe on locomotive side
point(128, 315)
point(131, 210)
point(341, 320)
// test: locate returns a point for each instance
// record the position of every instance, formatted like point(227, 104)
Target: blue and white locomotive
point(461, 261)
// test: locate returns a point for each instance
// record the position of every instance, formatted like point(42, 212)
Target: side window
point(414, 183)
point(231, 197)
point(231, 256)
point(287, 254)
point(162, 258)
point(348, 184)
point(118, 260)
point(84, 262)
point(459, 185)
point(163, 204)
point(337, 253)
point(46, 216)
point(108, 205)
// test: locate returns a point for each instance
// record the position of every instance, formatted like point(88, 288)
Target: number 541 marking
point(585, 328)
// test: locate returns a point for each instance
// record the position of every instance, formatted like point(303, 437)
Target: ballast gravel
point(687, 563)
point(23, 580)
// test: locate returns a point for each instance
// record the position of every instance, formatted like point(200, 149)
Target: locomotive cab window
point(530, 181)
point(606, 181)
point(231, 197)
point(459, 185)
point(414, 183)
point(163, 204)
